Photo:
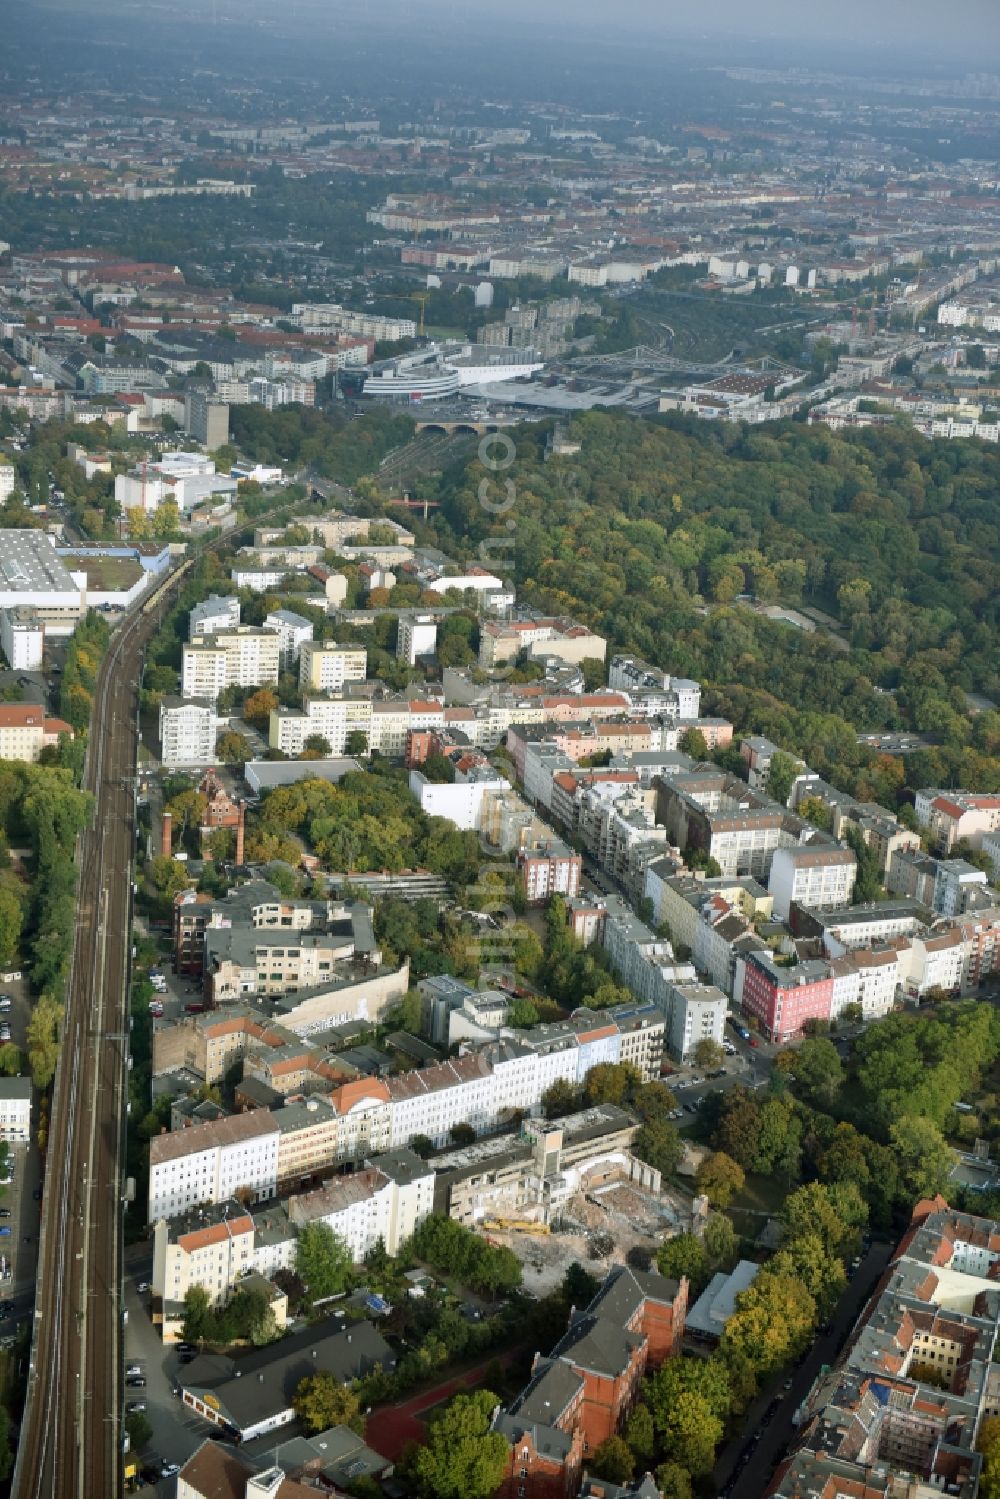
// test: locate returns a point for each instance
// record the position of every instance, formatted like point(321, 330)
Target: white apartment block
point(416, 636)
point(936, 962)
point(187, 732)
point(325, 666)
point(384, 1202)
point(461, 802)
point(293, 633)
point(811, 875)
point(212, 615)
point(213, 1162)
point(332, 718)
point(22, 636)
point(15, 1109)
point(697, 1013)
point(8, 481)
point(244, 657)
point(204, 670)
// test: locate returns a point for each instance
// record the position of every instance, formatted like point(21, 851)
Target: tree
point(322, 1261)
point(315, 747)
point(463, 1134)
point(832, 1213)
point(579, 1287)
point(720, 1239)
point(925, 1157)
point(613, 1460)
point(610, 1082)
point(807, 1259)
point(684, 1254)
point(560, 1098)
point(11, 918)
point(720, 1178)
point(771, 1325)
point(659, 1145)
point(988, 1443)
point(140, 1431)
point(197, 1314)
point(781, 776)
point(708, 1053)
point(259, 706)
point(640, 1433)
point(819, 1072)
point(321, 1401)
point(356, 742)
point(10, 1059)
point(233, 748)
point(674, 1481)
point(43, 1040)
point(693, 742)
point(463, 1458)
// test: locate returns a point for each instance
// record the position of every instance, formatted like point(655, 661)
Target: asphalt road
point(745, 1465)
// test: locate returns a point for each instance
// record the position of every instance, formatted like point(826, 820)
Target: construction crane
point(423, 297)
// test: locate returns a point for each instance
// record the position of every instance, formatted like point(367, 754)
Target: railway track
point(72, 1433)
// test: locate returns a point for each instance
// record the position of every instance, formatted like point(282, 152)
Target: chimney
point(167, 835)
point(240, 834)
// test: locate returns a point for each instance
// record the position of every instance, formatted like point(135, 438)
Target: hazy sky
point(968, 26)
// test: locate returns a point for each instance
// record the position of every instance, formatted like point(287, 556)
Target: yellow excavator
point(519, 1225)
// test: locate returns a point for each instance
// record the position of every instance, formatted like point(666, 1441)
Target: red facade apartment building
point(783, 999)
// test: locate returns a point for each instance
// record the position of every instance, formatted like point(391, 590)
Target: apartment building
point(383, 1203)
point(416, 636)
point(548, 867)
point(697, 1013)
point(243, 657)
point(25, 731)
point(781, 999)
point(22, 637)
point(212, 1247)
point(715, 813)
point(819, 873)
point(325, 666)
point(217, 612)
point(232, 1157)
point(582, 1392)
point(954, 816)
point(187, 732)
point(632, 675)
point(504, 640)
point(15, 1109)
point(908, 1396)
point(293, 633)
point(333, 718)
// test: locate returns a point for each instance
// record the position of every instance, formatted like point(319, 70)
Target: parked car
point(6, 1229)
point(4, 1212)
point(4, 1031)
point(133, 1369)
point(136, 1381)
point(138, 1406)
point(5, 1003)
point(142, 1287)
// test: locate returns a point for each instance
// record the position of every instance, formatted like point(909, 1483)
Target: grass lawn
point(761, 1194)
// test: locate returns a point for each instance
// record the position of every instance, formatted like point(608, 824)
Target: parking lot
point(176, 1433)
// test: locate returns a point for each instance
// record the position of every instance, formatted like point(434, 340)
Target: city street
point(747, 1462)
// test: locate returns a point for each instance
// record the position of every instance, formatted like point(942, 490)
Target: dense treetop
point(654, 531)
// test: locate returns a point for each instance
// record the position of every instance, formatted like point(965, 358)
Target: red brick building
point(583, 1391)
